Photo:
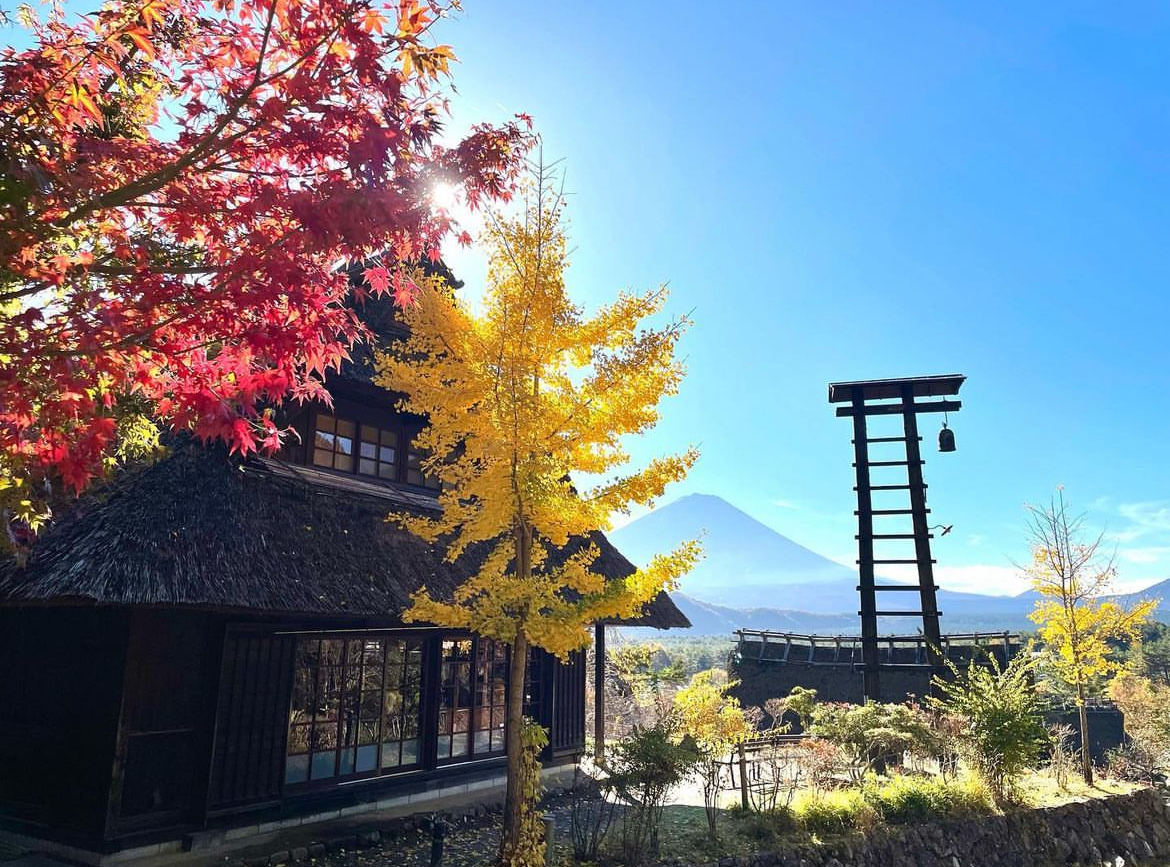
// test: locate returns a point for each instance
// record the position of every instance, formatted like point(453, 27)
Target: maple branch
point(207, 145)
point(25, 292)
point(131, 270)
point(93, 48)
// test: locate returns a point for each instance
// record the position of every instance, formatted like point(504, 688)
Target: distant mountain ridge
point(756, 578)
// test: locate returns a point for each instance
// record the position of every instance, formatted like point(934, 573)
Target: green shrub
point(905, 800)
point(1003, 732)
point(871, 734)
point(832, 813)
point(644, 767)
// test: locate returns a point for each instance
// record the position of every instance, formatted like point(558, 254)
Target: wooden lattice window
point(414, 470)
point(333, 443)
point(378, 452)
point(491, 697)
point(472, 699)
point(355, 707)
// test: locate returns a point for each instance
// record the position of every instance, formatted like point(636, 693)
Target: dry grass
point(1040, 789)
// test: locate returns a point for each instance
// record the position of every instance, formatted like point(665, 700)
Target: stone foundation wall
point(1125, 829)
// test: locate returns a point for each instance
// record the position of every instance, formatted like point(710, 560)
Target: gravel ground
point(471, 841)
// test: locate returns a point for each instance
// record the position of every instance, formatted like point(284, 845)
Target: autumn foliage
point(1074, 613)
point(180, 182)
point(528, 400)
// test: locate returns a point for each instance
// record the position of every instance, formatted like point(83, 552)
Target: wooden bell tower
point(906, 398)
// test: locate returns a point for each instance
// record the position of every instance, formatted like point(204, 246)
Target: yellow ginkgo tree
point(1074, 612)
point(526, 397)
point(713, 719)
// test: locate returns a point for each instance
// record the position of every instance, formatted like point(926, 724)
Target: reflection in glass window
point(455, 700)
point(354, 707)
point(491, 696)
point(378, 452)
point(333, 440)
point(472, 699)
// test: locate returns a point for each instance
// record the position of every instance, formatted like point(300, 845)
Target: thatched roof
point(202, 528)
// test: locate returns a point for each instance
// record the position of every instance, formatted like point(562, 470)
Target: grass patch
point(899, 800)
point(1040, 789)
point(906, 800)
point(830, 814)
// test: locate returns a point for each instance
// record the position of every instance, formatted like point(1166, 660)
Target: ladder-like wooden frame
point(893, 397)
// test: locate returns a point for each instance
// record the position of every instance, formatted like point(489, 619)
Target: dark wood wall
point(61, 672)
point(567, 725)
point(160, 770)
point(117, 727)
point(247, 762)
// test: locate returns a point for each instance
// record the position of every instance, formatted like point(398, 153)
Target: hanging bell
point(946, 439)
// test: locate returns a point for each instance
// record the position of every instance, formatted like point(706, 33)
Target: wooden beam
point(931, 629)
point(934, 614)
point(599, 694)
point(898, 409)
point(871, 685)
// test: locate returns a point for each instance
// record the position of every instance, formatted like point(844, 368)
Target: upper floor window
point(414, 471)
point(378, 453)
point(333, 443)
point(344, 445)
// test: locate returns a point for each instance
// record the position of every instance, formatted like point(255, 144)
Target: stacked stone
point(1107, 832)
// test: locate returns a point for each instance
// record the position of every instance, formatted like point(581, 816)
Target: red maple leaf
point(209, 286)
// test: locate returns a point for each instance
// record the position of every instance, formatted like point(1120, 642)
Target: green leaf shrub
point(644, 767)
point(872, 733)
point(1003, 733)
point(907, 800)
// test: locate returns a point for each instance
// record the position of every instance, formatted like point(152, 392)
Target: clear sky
point(858, 190)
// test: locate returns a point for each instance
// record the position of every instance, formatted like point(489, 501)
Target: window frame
point(405, 451)
point(334, 436)
point(413, 452)
point(378, 444)
point(411, 643)
point(472, 755)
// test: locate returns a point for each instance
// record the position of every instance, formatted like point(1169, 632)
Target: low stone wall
point(1134, 828)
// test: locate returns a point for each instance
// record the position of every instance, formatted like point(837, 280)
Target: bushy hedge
point(906, 800)
point(899, 800)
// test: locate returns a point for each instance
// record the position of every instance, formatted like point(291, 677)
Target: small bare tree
point(1075, 615)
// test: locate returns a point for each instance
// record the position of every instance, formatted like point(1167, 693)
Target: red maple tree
point(181, 182)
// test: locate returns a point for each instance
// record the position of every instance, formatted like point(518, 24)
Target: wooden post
point(550, 839)
point(926, 589)
point(871, 678)
point(599, 694)
point(743, 780)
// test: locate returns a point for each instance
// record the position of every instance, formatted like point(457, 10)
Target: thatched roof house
point(214, 644)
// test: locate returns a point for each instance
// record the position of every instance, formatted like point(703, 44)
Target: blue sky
point(857, 190)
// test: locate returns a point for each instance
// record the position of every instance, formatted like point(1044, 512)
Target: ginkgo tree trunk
point(526, 397)
point(1075, 614)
